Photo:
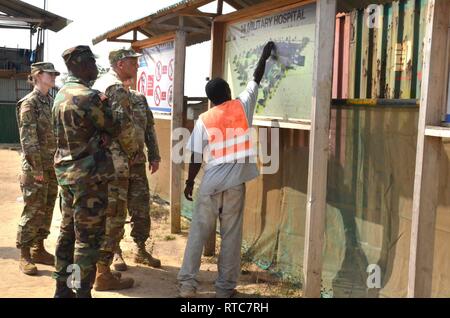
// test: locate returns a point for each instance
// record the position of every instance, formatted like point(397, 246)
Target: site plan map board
point(286, 89)
point(155, 76)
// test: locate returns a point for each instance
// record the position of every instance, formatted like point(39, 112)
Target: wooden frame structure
point(176, 169)
point(320, 117)
point(433, 101)
point(435, 83)
point(186, 25)
point(318, 152)
point(21, 15)
point(429, 145)
point(218, 54)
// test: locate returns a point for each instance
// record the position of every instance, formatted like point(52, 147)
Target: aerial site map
point(286, 88)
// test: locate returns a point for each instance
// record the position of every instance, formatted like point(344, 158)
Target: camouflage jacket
point(124, 147)
point(81, 115)
point(34, 118)
point(145, 130)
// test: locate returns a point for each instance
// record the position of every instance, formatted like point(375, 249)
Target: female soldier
point(37, 180)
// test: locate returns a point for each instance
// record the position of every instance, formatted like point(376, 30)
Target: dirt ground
point(149, 282)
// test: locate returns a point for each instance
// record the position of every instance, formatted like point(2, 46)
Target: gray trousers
point(228, 206)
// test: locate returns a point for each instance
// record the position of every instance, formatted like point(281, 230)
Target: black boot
point(86, 286)
point(62, 291)
point(84, 293)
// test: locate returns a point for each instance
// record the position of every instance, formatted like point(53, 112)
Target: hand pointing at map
point(267, 51)
point(260, 68)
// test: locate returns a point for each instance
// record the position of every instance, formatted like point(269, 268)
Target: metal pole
point(44, 37)
point(31, 39)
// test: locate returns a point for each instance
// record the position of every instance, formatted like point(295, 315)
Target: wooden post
point(426, 183)
point(318, 149)
point(177, 122)
point(217, 48)
point(219, 7)
point(217, 54)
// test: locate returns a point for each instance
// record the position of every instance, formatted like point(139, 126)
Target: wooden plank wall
point(318, 151)
point(383, 61)
point(429, 151)
point(341, 56)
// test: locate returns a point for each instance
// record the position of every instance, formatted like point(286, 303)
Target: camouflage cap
point(117, 55)
point(43, 67)
point(75, 53)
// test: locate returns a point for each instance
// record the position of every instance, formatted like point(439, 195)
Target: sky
point(95, 17)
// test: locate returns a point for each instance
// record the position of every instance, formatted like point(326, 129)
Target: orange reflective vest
point(229, 136)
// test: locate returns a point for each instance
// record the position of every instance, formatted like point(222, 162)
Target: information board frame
point(219, 33)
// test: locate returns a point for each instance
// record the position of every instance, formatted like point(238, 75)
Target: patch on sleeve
point(25, 107)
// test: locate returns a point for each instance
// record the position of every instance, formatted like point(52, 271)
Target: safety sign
point(155, 76)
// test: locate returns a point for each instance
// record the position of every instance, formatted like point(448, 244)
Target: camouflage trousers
point(81, 232)
point(115, 219)
point(39, 202)
point(139, 203)
point(132, 194)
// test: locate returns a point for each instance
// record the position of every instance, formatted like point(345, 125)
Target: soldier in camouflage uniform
point(37, 180)
point(83, 166)
point(138, 191)
point(124, 150)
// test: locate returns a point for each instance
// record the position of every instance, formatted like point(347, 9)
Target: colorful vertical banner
point(155, 76)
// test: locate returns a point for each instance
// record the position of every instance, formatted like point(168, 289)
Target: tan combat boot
point(105, 280)
point(144, 257)
point(116, 274)
point(118, 262)
point(25, 264)
point(40, 256)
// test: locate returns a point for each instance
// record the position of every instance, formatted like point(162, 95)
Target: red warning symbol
point(150, 83)
point(158, 71)
point(157, 96)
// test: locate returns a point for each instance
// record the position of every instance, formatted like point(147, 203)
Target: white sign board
point(286, 88)
point(155, 76)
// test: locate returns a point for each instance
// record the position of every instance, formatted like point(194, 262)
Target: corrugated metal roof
point(129, 26)
point(349, 5)
point(20, 9)
point(342, 6)
point(11, 90)
point(176, 10)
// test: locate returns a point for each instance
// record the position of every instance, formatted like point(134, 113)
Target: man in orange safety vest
point(221, 137)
